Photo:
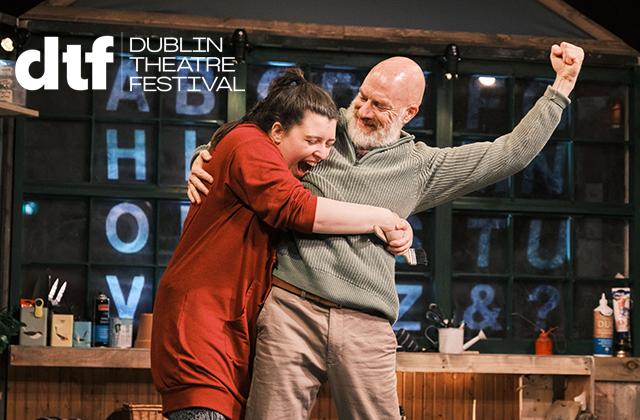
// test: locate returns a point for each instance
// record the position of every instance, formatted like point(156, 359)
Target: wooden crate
point(138, 412)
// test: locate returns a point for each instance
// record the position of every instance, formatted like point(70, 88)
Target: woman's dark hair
point(290, 97)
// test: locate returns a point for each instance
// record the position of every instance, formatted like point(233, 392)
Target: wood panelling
point(94, 393)
point(84, 393)
point(617, 401)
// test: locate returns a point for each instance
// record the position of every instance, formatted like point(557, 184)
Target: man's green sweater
point(405, 177)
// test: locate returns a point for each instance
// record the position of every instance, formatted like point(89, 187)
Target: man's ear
point(276, 132)
point(410, 112)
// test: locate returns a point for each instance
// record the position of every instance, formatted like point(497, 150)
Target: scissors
point(435, 315)
point(55, 300)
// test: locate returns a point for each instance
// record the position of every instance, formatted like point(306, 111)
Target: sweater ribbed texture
point(406, 177)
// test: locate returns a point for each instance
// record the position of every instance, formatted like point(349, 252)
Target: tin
point(100, 337)
point(120, 332)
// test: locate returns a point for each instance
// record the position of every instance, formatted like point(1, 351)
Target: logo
point(175, 63)
point(98, 57)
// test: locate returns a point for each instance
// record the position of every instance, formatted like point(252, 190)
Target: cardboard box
point(35, 315)
point(61, 330)
point(82, 334)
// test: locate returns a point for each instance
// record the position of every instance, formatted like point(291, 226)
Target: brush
point(414, 256)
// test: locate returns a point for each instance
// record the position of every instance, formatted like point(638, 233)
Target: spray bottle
point(603, 329)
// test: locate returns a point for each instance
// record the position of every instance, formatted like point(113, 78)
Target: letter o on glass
point(143, 228)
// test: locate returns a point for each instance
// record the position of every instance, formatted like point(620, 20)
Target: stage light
point(239, 45)
point(7, 43)
point(12, 38)
point(450, 60)
point(487, 80)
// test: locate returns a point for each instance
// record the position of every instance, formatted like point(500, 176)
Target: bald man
point(329, 316)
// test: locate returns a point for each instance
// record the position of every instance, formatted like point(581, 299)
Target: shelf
point(11, 110)
point(617, 369)
point(104, 357)
point(515, 364)
point(83, 357)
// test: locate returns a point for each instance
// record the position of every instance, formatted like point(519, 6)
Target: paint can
point(120, 332)
point(100, 337)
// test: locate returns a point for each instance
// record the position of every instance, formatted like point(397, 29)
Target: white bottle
point(603, 329)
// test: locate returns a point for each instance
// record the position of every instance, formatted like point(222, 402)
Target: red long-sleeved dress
point(210, 294)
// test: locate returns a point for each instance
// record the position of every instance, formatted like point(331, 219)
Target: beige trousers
point(301, 345)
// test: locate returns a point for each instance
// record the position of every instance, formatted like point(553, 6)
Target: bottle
point(544, 345)
point(101, 321)
point(603, 329)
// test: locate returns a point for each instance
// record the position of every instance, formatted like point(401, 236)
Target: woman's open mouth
point(304, 167)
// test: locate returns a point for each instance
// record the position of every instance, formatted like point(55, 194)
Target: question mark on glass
point(554, 298)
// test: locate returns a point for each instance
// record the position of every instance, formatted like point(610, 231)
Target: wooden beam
point(8, 19)
point(617, 369)
point(321, 33)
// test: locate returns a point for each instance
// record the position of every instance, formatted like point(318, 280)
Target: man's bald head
point(389, 97)
point(403, 78)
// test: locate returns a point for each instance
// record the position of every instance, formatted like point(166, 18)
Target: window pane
point(542, 303)
point(527, 93)
point(425, 119)
point(125, 153)
point(602, 174)
point(482, 305)
point(130, 291)
point(196, 91)
point(54, 229)
point(414, 293)
point(541, 245)
point(122, 231)
point(177, 146)
point(341, 84)
point(499, 189)
point(547, 176)
point(602, 247)
point(479, 243)
point(57, 151)
point(420, 225)
point(171, 219)
point(37, 280)
point(126, 94)
point(259, 76)
point(480, 105)
point(586, 298)
point(601, 111)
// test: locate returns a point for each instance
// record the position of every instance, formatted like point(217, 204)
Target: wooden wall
point(70, 393)
point(617, 401)
point(94, 393)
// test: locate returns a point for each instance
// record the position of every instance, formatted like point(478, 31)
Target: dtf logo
point(98, 57)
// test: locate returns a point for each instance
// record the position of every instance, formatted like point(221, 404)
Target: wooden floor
point(94, 393)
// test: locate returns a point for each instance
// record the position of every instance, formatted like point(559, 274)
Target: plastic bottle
point(603, 329)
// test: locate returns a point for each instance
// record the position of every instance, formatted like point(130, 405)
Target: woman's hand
point(399, 237)
point(195, 185)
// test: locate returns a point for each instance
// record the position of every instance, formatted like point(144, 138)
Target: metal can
point(120, 332)
point(100, 336)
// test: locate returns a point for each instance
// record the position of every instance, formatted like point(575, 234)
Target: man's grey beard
point(378, 138)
